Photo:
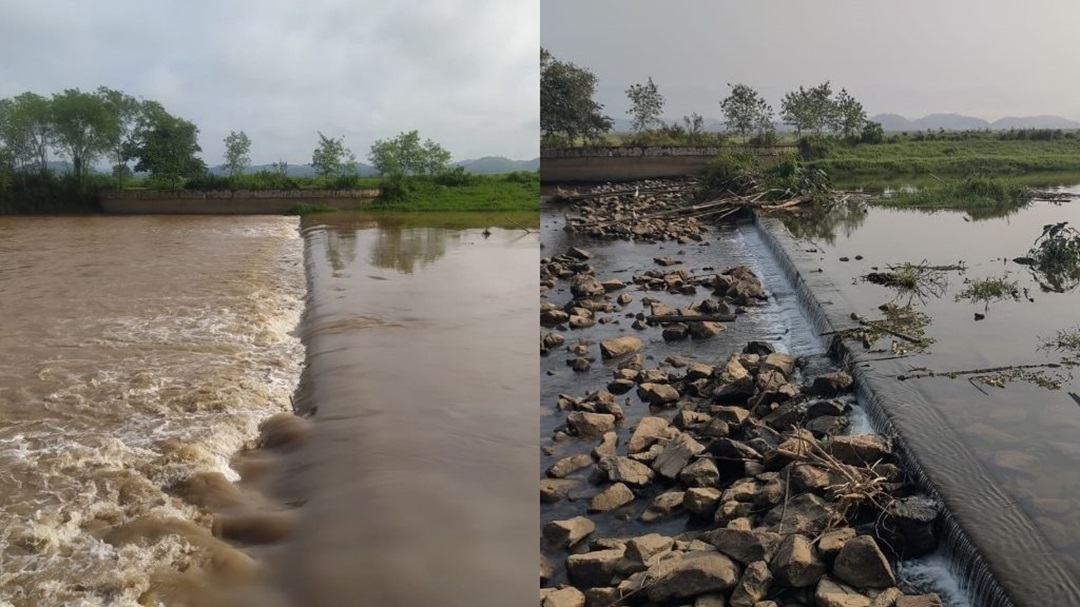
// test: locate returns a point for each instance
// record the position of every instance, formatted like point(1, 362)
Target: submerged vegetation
point(979, 195)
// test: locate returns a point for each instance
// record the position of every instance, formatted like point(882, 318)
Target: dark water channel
point(1004, 456)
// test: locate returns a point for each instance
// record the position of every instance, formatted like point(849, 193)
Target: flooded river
point(135, 352)
point(139, 356)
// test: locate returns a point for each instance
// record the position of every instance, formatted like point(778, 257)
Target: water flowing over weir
point(994, 548)
point(420, 385)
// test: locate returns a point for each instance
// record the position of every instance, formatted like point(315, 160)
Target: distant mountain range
point(960, 122)
point(896, 122)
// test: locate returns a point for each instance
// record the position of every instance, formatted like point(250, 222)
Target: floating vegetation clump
point(904, 323)
point(1047, 375)
point(987, 290)
point(915, 280)
point(980, 196)
point(1055, 258)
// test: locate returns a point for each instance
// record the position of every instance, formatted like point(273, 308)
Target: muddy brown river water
point(137, 353)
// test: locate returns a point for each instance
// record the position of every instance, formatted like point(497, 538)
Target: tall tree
point(28, 131)
point(848, 117)
point(745, 111)
point(567, 108)
point(237, 152)
point(407, 155)
point(647, 104)
point(125, 111)
point(83, 128)
point(809, 110)
point(165, 146)
point(694, 124)
point(332, 159)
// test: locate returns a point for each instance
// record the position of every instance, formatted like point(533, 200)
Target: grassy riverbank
point(979, 195)
point(949, 157)
point(509, 192)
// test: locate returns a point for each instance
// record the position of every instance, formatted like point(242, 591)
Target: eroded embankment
point(1001, 556)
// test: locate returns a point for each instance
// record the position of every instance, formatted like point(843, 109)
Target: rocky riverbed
point(721, 475)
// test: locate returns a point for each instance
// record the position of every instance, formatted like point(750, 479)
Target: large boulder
point(796, 563)
point(676, 455)
point(620, 346)
point(907, 528)
point(554, 489)
point(591, 569)
point(744, 545)
point(566, 533)
point(625, 470)
point(700, 473)
point(831, 384)
point(647, 432)
point(752, 586)
point(861, 564)
point(830, 594)
point(657, 394)
point(695, 574)
point(613, 497)
point(663, 506)
point(590, 424)
point(569, 465)
point(584, 285)
point(859, 449)
point(564, 597)
point(643, 548)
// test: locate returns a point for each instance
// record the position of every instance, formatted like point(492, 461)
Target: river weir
point(232, 411)
point(982, 530)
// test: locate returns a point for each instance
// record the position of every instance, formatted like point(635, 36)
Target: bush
point(456, 177)
point(729, 170)
point(208, 181)
point(815, 148)
point(394, 190)
point(523, 177)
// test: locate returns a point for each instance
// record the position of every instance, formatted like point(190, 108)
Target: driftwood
point(877, 325)
point(667, 318)
point(954, 374)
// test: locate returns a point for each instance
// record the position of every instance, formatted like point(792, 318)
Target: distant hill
point(497, 164)
point(960, 122)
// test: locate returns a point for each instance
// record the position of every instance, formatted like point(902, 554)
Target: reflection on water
point(416, 479)
point(822, 223)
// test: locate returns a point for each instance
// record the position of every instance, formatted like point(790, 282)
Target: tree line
point(138, 135)
point(568, 112)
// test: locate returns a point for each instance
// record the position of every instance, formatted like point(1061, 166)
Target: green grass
point(306, 208)
point(981, 196)
point(988, 289)
point(956, 157)
point(510, 192)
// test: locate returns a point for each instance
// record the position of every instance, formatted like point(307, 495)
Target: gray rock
point(590, 424)
point(584, 285)
point(861, 564)
point(830, 543)
point(626, 470)
point(591, 569)
point(566, 533)
point(554, 489)
point(701, 501)
point(663, 506)
point(701, 472)
point(565, 597)
point(657, 394)
point(611, 498)
point(569, 465)
point(796, 563)
point(620, 346)
point(646, 433)
point(643, 548)
point(676, 455)
point(690, 576)
point(608, 445)
point(831, 384)
point(675, 332)
point(831, 594)
point(744, 545)
point(752, 586)
point(860, 449)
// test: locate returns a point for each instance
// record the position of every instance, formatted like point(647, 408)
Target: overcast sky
point(463, 72)
point(989, 59)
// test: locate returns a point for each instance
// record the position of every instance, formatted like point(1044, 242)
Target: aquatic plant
point(915, 280)
point(980, 196)
point(1055, 258)
point(989, 289)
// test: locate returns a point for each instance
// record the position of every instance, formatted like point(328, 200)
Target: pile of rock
point(635, 213)
point(788, 510)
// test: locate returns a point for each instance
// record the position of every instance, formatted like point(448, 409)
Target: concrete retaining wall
point(225, 202)
point(592, 165)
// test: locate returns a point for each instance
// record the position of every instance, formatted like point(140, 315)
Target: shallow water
point(993, 448)
point(134, 353)
point(421, 385)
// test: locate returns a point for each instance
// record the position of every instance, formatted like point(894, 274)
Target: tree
point(27, 131)
point(125, 112)
point(745, 111)
point(165, 146)
point(406, 155)
point(695, 127)
point(83, 128)
point(332, 159)
point(646, 105)
point(567, 109)
point(809, 110)
point(237, 152)
point(847, 117)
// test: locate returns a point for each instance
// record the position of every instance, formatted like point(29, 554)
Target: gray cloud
point(988, 59)
point(463, 72)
